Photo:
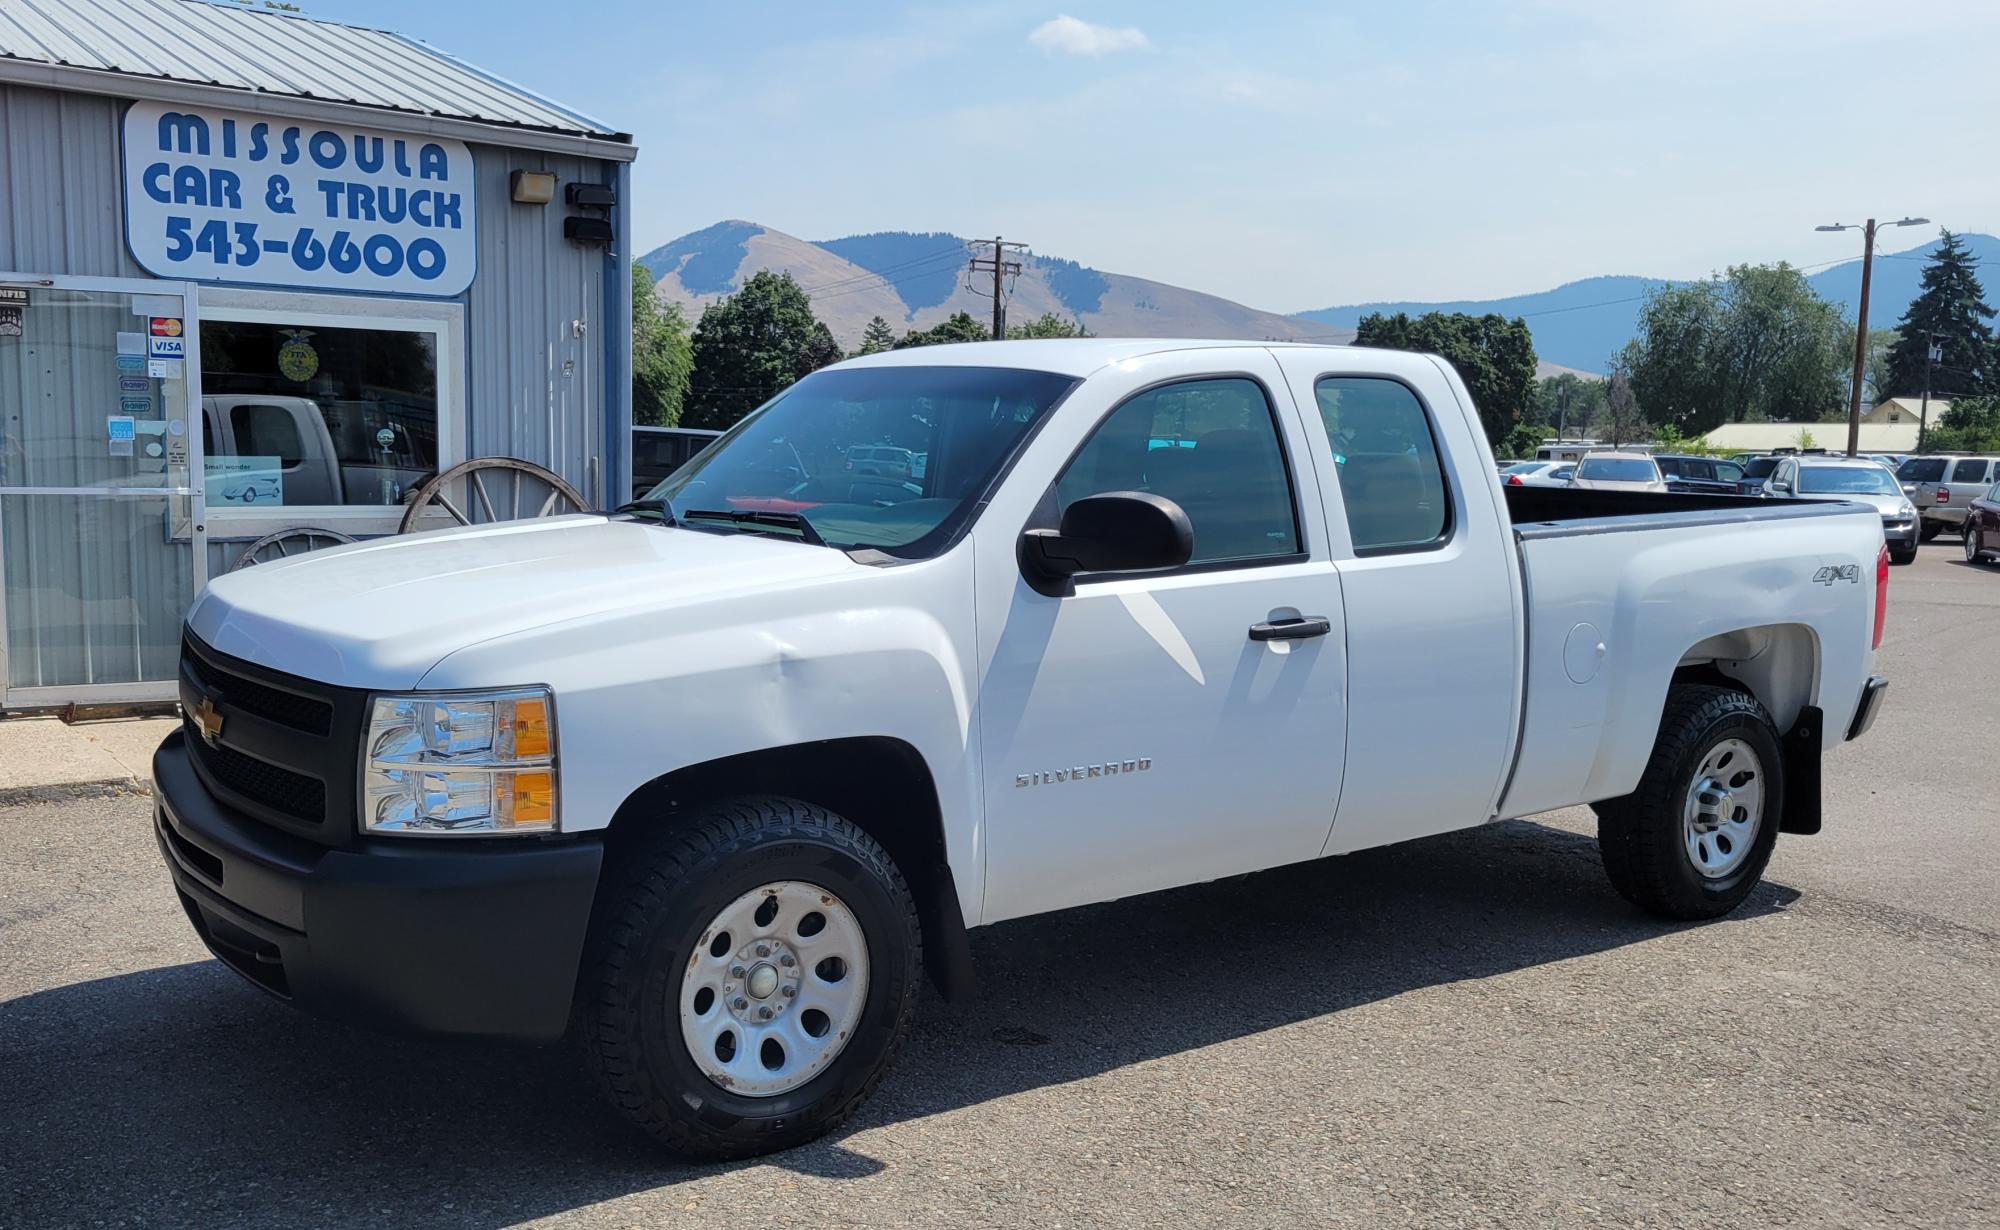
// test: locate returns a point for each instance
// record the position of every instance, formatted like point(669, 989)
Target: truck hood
point(381, 614)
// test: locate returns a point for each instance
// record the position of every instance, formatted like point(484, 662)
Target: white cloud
point(1068, 36)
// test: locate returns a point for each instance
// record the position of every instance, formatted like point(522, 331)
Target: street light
point(1867, 230)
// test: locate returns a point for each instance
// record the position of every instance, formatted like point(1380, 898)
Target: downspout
point(617, 334)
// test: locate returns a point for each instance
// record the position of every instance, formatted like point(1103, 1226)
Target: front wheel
point(751, 979)
point(1927, 530)
point(1693, 840)
point(1902, 554)
point(1974, 547)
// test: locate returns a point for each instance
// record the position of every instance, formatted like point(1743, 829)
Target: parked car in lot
point(1982, 527)
point(1708, 475)
point(1942, 487)
point(1617, 472)
point(1755, 471)
point(721, 776)
point(1538, 473)
point(659, 451)
point(1856, 479)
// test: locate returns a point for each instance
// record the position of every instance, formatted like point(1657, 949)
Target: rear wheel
point(1975, 545)
point(751, 979)
point(1693, 840)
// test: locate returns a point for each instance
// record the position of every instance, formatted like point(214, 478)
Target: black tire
point(628, 1009)
point(1903, 555)
point(1927, 530)
point(1640, 836)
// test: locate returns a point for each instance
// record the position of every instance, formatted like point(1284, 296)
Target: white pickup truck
point(713, 782)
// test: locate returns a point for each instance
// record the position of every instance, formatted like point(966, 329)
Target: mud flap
point(1801, 813)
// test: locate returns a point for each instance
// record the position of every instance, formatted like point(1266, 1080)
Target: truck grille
point(278, 749)
point(298, 796)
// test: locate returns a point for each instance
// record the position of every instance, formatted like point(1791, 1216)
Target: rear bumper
point(435, 936)
point(1872, 694)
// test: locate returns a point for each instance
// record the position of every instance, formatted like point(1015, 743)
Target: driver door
point(1138, 733)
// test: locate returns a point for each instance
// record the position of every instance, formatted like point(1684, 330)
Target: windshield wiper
point(657, 508)
point(758, 518)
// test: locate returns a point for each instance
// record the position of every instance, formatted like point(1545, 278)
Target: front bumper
point(446, 936)
point(1901, 533)
point(1872, 694)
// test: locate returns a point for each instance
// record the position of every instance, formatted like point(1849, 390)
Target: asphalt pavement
point(1467, 1030)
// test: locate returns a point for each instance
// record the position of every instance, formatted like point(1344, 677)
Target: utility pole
point(1932, 353)
point(1002, 269)
point(1861, 320)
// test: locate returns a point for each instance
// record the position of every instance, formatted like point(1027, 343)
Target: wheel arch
point(1779, 664)
point(880, 783)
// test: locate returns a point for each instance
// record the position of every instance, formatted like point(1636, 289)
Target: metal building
point(259, 272)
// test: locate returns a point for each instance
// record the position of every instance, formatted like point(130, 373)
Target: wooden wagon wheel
point(524, 490)
point(286, 543)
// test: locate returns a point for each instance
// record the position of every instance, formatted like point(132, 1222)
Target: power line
point(951, 255)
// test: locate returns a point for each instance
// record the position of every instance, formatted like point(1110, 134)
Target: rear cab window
point(1392, 481)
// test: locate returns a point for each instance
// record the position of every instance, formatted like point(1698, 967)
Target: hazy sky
point(1286, 155)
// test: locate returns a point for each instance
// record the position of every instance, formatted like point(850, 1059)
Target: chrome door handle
point(1302, 628)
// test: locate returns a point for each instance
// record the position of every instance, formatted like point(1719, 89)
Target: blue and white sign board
point(243, 481)
point(225, 196)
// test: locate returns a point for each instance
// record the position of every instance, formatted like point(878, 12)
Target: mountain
point(1581, 324)
point(914, 280)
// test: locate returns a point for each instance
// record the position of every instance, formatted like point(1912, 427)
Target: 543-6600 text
point(238, 243)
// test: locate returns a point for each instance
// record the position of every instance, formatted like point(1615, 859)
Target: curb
point(62, 792)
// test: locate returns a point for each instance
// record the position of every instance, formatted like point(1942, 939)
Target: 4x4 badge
point(1838, 572)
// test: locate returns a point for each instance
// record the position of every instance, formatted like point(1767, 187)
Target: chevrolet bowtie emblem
point(208, 719)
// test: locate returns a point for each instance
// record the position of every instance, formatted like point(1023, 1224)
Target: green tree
point(662, 355)
point(1567, 402)
point(1048, 325)
point(1875, 384)
point(1520, 443)
point(877, 337)
point(750, 346)
point(958, 327)
point(1951, 306)
point(1623, 420)
point(1755, 343)
point(1494, 356)
point(1972, 425)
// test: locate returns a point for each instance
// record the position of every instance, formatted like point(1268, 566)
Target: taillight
point(1943, 496)
point(1514, 480)
point(1881, 594)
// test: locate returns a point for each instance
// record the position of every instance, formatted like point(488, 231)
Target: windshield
point(1847, 480)
point(1759, 467)
point(1922, 470)
point(892, 458)
point(1617, 470)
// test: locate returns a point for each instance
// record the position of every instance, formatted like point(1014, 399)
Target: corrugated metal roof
point(242, 48)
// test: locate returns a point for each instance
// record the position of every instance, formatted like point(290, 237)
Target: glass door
point(102, 541)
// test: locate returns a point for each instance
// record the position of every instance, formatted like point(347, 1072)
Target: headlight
point(1907, 510)
point(477, 762)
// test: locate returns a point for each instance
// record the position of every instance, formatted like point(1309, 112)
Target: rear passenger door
point(1428, 581)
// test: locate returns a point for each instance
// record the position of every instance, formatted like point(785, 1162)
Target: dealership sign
point(222, 196)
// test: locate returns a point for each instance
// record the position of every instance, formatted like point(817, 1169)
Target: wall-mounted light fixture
point(533, 187)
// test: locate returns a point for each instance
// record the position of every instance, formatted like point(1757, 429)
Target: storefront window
point(311, 414)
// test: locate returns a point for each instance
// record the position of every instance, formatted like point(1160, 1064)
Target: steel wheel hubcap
point(1725, 806)
point(774, 988)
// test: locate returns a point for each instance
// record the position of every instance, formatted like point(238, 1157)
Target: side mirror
point(1119, 531)
point(1782, 488)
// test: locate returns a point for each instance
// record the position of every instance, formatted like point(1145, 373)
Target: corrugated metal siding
point(275, 53)
point(60, 198)
point(534, 356)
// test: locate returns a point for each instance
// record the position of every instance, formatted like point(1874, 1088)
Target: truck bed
point(1621, 589)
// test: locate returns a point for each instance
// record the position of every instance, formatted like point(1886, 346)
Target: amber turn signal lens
point(525, 798)
point(528, 724)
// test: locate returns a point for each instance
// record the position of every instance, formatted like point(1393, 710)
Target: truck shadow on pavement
point(178, 1096)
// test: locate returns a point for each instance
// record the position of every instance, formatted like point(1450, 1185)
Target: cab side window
point(1970, 470)
point(1210, 446)
point(1392, 482)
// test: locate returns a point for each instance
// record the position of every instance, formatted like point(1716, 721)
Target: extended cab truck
point(713, 781)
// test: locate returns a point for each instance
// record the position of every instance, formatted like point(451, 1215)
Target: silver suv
point(1942, 486)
